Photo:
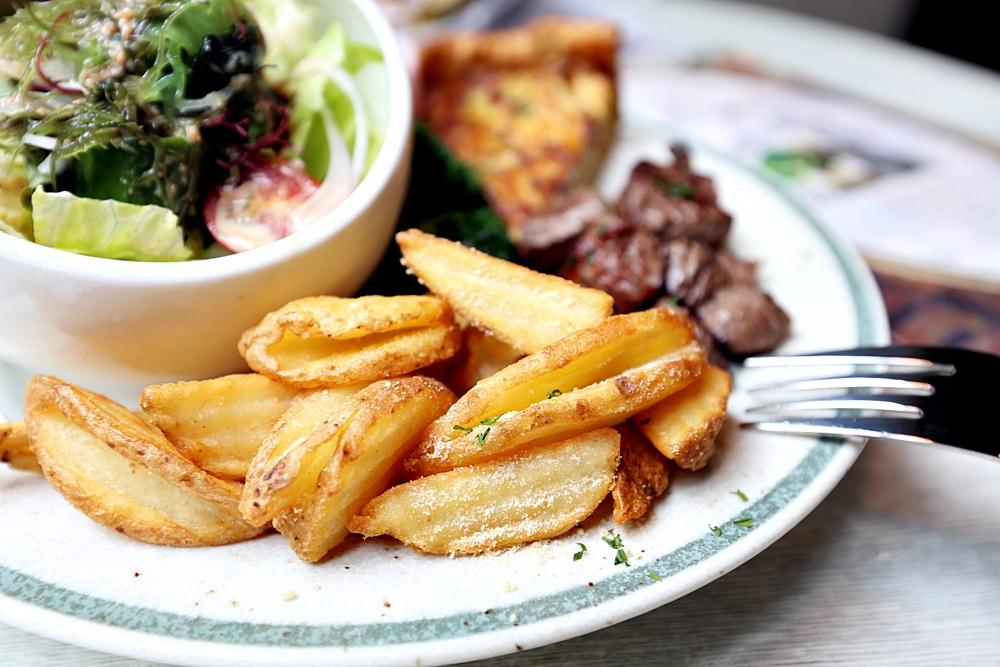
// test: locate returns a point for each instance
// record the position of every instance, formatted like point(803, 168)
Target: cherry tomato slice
point(258, 211)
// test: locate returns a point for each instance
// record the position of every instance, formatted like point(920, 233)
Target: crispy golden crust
point(15, 449)
point(124, 473)
point(642, 476)
point(684, 426)
point(532, 110)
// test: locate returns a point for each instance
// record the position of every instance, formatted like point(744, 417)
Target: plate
point(379, 603)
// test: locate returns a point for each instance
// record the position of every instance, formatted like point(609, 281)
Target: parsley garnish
point(615, 542)
point(675, 188)
point(715, 530)
point(554, 393)
point(579, 554)
point(489, 422)
point(481, 438)
point(463, 429)
point(739, 494)
point(654, 576)
point(744, 523)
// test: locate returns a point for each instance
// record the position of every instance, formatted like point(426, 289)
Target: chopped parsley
point(744, 523)
point(579, 554)
point(554, 393)
point(739, 494)
point(463, 429)
point(717, 531)
point(675, 188)
point(614, 541)
point(654, 576)
point(489, 422)
point(481, 438)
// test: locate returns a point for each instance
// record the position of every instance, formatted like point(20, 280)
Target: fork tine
point(901, 364)
point(896, 385)
point(864, 428)
point(840, 403)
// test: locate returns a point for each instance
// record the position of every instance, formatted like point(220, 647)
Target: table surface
point(900, 565)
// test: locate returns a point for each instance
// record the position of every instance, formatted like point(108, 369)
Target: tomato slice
point(259, 210)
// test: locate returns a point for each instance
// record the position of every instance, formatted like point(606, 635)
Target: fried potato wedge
point(391, 415)
point(123, 473)
point(591, 379)
point(533, 495)
point(525, 309)
point(327, 341)
point(218, 424)
point(641, 478)
point(15, 450)
point(482, 355)
point(684, 426)
point(288, 463)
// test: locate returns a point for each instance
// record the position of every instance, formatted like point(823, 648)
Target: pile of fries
point(500, 409)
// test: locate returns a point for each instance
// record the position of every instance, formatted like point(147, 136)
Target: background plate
point(378, 603)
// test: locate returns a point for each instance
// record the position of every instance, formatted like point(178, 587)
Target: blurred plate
point(379, 603)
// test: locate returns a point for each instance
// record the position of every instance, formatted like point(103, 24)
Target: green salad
point(168, 130)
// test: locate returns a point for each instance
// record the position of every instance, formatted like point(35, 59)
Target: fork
point(930, 395)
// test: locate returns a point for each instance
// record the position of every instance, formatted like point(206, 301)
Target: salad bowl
point(118, 325)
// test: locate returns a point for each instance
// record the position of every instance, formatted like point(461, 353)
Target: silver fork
point(930, 395)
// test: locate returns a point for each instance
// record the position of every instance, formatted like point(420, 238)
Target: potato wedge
point(286, 466)
point(534, 495)
point(125, 474)
point(218, 424)
point(15, 449)
point(684, 426)
point(642, 476)
point(390, 417)
point(327, 341)
point(590, 379)
point(482, 355)
point(525, 309)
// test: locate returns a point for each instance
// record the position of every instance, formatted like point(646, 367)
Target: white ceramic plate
point(379, 603)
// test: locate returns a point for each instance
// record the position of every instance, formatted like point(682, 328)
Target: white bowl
point(115, 325)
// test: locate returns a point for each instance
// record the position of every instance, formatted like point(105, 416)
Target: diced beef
point(736, 271)
point(625, 262)
point(674, 202)
point(692, 272)
point(744, 319)
point(545, 239)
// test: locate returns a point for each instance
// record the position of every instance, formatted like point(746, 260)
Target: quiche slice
point(531, 110)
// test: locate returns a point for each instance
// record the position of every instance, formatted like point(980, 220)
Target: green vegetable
point(481, 438)
point(315, 94)
point(716, 530)
point(489, 422)
point(744, 523)
point(107, 228)
point(654, 576)
point(739, 494)
point(614, 541)
point(554, 393)
point(287, 26)
point(463, 429)
point(15, 218)
point(579, 554)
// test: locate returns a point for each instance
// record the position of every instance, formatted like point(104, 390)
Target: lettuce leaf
point(107, 228)
point(313, 93)
point(288, 29)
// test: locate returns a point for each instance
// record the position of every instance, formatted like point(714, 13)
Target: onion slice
point(339, 182)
